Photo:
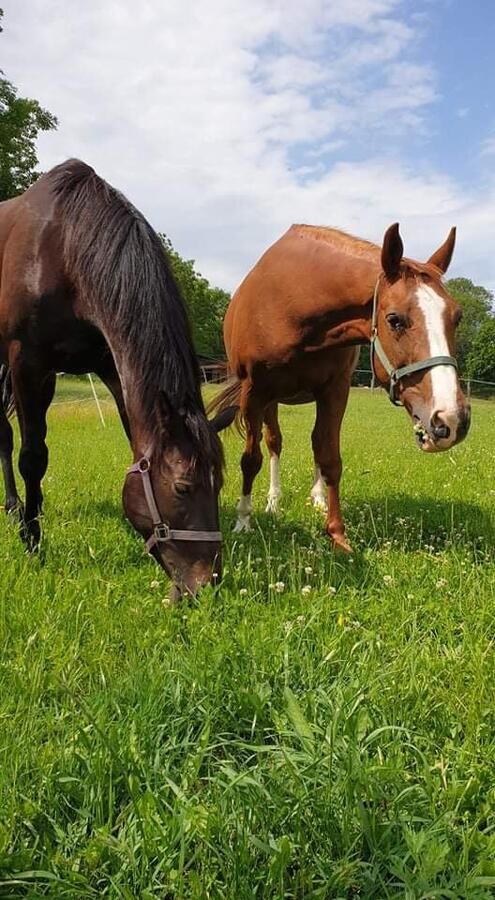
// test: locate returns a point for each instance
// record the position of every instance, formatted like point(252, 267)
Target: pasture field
point(322, 727)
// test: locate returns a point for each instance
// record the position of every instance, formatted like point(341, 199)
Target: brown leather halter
point(161, 530)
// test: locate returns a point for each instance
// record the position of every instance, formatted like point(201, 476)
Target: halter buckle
point(144, 464)
point(161, 533)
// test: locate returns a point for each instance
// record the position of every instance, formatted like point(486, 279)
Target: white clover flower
point(155, 584)
point(332, 589)
point(279, 587)
point(243, 592)
point(301, 620)
point(308, 570)
point(441, 583)
point(387, 579)
point(306, 590)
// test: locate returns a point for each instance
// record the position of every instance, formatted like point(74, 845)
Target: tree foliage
point(206, 304)
point(481, 359)
point(476, 302)
point(21, 120)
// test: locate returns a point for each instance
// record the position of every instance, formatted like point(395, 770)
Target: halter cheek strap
point(161, 530)
point(395, 375)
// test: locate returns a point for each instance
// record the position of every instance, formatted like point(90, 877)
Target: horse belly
point(82, 348)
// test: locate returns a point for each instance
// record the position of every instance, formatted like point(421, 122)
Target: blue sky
point(459, 38)
point(225, 122)
point(454, 40)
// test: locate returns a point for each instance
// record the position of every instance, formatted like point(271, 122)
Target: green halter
point(395, 375)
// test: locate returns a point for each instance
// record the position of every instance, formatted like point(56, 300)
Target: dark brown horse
point(85, 287)
point(291, 332)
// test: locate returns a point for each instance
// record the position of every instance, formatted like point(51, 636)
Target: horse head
point(174, 504)
point(414, 321)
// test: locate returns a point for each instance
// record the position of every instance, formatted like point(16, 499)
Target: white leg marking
point(244, 508)
point(274, 492)
point(319, 491)
point(443, 378)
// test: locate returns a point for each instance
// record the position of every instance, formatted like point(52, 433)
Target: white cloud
point(222, 120)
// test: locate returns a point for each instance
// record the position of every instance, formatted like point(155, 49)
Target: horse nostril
point(440, 431)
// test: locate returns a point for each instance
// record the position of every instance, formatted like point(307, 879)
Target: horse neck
point(340, 274)
point(354, 297)
point(143, 426)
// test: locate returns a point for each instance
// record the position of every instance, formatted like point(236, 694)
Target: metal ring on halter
point(395, 375)
point(161, 530)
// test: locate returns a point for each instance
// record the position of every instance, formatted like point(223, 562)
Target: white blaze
point(443, 378)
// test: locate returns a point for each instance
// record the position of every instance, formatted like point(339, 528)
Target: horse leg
point(273, 440)
point(33, 391)
point(111, 379)
point(12, 500)
point(330, 408)
point(319, 490)
point(252, 459)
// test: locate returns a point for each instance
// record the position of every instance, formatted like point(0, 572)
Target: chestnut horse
point(291, 332)
point(86, 287)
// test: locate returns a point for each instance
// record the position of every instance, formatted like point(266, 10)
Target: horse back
point(296, 290)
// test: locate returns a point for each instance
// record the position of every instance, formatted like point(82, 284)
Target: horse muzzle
point(444, 429)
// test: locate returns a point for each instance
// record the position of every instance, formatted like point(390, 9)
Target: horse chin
point(174, 594)
point(428, 446)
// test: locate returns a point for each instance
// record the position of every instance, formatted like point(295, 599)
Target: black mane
point(118, 264)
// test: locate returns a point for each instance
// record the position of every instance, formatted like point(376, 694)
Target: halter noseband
point(161, 530)
point(395, 375)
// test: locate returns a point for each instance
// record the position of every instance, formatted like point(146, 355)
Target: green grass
point(254, 744)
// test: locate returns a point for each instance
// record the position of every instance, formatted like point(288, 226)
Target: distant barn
point(213, 371)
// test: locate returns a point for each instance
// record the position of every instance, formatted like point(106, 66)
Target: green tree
point(476, 302)
point(21, 120)
point(206, 304)
point(481, 359)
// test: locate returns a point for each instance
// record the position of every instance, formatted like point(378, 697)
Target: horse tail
point(6, 391)
point(226, 402)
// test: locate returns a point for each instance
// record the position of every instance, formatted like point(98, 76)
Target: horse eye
point(182, 487)
point(396, 322)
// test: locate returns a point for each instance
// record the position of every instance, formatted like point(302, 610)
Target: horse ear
point(392, 251)
point(224, 418)
point(442, 257)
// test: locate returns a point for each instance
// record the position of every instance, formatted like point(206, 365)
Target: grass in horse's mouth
point(420, 432)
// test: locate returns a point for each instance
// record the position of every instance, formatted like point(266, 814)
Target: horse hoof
point(272, 505)
point(242, 525)
point(30, 536)
point(31, 546)
point(14, 509)
point(340, 543)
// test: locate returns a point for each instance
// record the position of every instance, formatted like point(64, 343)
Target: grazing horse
point(85, 287)
point(291, 332)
